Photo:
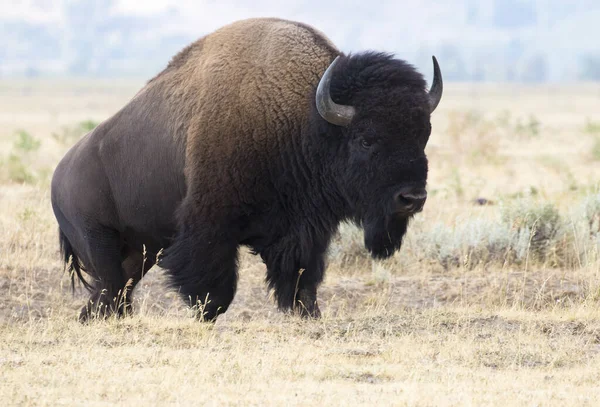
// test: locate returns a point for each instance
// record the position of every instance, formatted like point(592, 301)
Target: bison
point(261, 134)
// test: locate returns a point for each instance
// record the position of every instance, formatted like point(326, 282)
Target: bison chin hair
point(383, 235)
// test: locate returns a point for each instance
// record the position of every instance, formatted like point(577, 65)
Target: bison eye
point(365, 144)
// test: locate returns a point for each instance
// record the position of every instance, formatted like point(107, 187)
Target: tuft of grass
point(521, 231)
point(596, 149)
point(592, 127)
point(17, 165)
point(524, 231)
point(71, 134)
point(457, 184)
point(88, 125)
point(528, 128)
point(591, 212)
point(536, 228)
point(347, 247)
point(470, 243)
point(26, 143)
point(17, 171)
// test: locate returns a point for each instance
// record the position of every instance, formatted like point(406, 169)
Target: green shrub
point(17, 171)
point(536, 227)
point(523, 232)
point(592, 127)
point(88, 125)
point(16, 166)
point(591, 211)
point(71, 134)
point(25, 142)
point(470, 243)
point(596, 149)
point(528, 128)
point(347, 246)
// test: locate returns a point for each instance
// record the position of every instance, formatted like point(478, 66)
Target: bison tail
point(72, 263)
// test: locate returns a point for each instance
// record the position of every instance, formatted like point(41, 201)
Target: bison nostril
point(410, 200)
point(402, 200)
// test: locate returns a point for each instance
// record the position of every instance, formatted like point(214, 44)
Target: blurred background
point(545, 41)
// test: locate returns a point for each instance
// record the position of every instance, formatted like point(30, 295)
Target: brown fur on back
point(237, 94)
point(243, 67)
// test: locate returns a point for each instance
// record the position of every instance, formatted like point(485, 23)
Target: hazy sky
point(485, 39)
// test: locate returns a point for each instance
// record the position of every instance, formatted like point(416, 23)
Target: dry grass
point(491, 304)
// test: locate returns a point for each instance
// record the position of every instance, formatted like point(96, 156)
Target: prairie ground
point(493, 300)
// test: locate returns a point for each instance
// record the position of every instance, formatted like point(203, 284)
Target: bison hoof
point(101, 311)
point(304, 312)
point(306, 305)
point(89, 312)
point(208, 313)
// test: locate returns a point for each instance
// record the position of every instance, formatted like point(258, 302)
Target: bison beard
point(383, 235)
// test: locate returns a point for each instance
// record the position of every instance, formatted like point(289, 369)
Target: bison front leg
point(204, 271)
point(306, 304)
point(295, 275)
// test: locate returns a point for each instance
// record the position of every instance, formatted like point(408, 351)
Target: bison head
point(377, 111)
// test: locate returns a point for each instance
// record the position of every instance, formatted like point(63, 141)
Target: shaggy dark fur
point(201, 162)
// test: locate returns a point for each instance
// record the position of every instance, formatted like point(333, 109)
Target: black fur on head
point(379, 157)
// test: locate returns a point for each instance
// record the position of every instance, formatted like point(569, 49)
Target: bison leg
point(204, 272)
point(213, 299)
point(295, 278)
point(135, 266)
point(104, 258)
point(306, 304)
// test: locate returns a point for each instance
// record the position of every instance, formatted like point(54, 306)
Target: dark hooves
point(101, 312)
point(308, 313)
point(306, 304)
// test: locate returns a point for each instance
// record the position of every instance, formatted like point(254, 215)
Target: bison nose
point(410, 200)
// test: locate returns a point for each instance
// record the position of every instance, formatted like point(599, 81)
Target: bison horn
point(340, 115)
point(437, 87)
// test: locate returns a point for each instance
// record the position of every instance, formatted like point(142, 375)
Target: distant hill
point(475, 40)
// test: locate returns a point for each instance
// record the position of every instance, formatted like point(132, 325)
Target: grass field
point(493, 300)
